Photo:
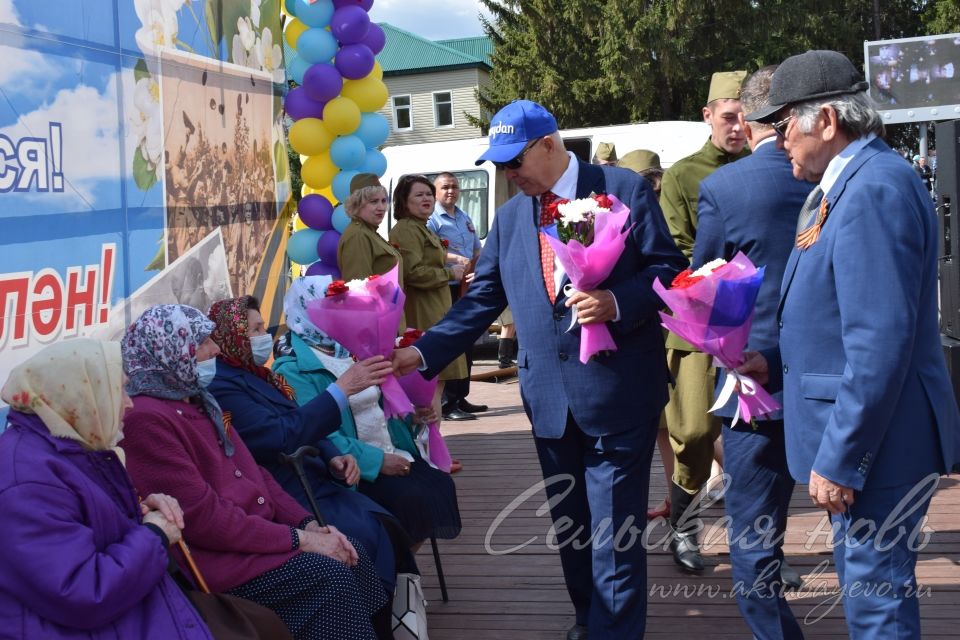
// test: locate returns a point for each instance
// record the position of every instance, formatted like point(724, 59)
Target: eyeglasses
point(781, 126)
point(517, 162)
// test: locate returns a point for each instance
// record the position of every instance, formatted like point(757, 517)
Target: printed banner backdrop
point(143, 162)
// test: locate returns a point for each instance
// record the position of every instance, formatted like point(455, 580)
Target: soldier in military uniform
point(692, 429)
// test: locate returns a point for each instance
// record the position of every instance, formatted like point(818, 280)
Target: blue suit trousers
point(757, 500)
point(598, 488)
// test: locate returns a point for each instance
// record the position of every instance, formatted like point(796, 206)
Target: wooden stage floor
point(522, 595)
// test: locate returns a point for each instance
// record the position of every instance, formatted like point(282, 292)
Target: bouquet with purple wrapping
point(362, 315)
point(420, 391)
point(588, 239)
point(713, 310)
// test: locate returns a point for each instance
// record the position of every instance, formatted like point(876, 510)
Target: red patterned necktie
point(546, 251)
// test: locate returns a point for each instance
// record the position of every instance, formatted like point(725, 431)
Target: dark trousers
point(757, 500)
point(456, 390)
point(597, 488)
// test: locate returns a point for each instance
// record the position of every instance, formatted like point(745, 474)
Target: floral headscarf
point(230, 317)
point(302, 291)
point(75, 387)
point(160, 358)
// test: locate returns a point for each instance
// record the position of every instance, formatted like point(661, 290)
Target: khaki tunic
point(362, 252)
point(425, 278)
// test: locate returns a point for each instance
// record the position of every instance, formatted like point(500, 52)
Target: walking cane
point(295, 460)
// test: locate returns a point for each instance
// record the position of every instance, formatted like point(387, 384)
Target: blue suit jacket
point(867, 399)
point(751, 205)
point(613, 392)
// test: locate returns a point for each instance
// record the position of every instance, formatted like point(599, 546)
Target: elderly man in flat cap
point(692, 430)
point(869, 412)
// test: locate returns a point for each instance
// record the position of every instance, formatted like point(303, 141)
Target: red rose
point(685, 279)
point(603, 201)
point(336, 288)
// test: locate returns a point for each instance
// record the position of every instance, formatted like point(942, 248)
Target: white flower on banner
point(239, 54)
point(247, 32)
point(146, 124)
point(269, 56)
point(255, 12)
point(160, 25)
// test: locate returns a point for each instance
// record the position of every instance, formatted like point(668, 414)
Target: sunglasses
point(517, 162)
point(781, 126)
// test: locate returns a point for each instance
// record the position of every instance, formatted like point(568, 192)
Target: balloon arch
point(336, 129)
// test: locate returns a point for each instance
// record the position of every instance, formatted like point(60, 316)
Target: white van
point(484, 188)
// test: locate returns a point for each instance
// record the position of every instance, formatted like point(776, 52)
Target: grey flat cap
point(808, 76)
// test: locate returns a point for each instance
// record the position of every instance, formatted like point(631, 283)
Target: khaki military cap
point(606, 152)
point(640, 160)
point(362, 180)
point(726, 85)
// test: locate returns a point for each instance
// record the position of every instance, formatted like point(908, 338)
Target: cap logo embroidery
point(501, 128)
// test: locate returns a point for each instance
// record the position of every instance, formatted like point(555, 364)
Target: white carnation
point(710, 267)
point(577, 210)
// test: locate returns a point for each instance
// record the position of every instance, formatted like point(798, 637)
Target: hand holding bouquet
point(713, 310)
point(588, 239)
point(362, 315)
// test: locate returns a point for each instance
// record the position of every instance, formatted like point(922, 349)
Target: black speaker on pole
point(948, 213)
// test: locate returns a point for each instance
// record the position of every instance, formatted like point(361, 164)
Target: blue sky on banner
point(432, 19)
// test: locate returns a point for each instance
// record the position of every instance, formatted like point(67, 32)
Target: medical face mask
point(206, 371)
point(262, 347)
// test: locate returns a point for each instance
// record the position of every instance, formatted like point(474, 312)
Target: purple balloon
point(354, 61)
point(324, 269)
point(327, 247)
point(350, 24)
point(376, 39)
point(316, 212)
point(299, 104)
point(363, 4)
point(322, 81)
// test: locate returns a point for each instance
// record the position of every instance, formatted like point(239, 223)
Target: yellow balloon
point(293, 31)
point(377, 70)
point(309, 136)
point(306, 189)
point(298, 224)
point(342, 116)
point(368, 93)
point(318, 171)
point(327, 192)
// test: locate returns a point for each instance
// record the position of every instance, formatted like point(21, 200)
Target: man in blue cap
point(594, 424)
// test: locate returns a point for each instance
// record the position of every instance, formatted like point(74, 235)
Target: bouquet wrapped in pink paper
point(362, 315)
point(588, 239)
point(420, 391)
point(713, 310)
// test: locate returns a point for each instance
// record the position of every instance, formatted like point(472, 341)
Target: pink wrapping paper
point(420, 391)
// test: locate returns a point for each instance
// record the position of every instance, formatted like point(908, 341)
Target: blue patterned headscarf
point(160, 358)
point(302, 291)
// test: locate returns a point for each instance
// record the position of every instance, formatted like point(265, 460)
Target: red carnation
point(445, 243)
point(553, 209)
point(373, 277)
point(336, 288)
point(409, 337)
point(603, 201)
point(685, 279)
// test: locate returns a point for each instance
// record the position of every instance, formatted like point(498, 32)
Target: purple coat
point(75, 561)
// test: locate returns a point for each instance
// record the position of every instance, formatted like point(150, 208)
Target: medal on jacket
point(807, 237)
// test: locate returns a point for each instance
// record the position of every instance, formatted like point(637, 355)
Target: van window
point(580, 148)
point(474, 190)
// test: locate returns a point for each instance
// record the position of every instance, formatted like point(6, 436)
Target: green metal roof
point(406, 53)
point(479, 47)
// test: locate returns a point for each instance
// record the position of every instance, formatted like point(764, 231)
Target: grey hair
point(856, 114)
point(755, 93)
point(358, 198)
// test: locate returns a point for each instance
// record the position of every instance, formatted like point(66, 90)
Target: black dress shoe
point(457, 414)
point(469, 407)
point(577, 632)
point(506, 364)
point(790, 577)
point(686, 551)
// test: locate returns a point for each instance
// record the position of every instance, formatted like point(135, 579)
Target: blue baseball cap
point(513, 127)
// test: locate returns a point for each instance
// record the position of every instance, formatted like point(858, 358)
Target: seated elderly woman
point(261, 406)
point(248, 536)
point(81, 558)
point(392, 472)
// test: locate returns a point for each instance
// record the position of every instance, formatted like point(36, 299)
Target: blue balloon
point(291, 6)
point(302, 246)
point(341, 184)
point(317, 45)
point(373, 162)
point(340, 218)
point(317, 14)
point(347, 152)
point(297, 68)
point(373, 130)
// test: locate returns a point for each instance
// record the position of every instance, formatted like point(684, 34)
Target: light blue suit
point(596, 422)
point(867, 399)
